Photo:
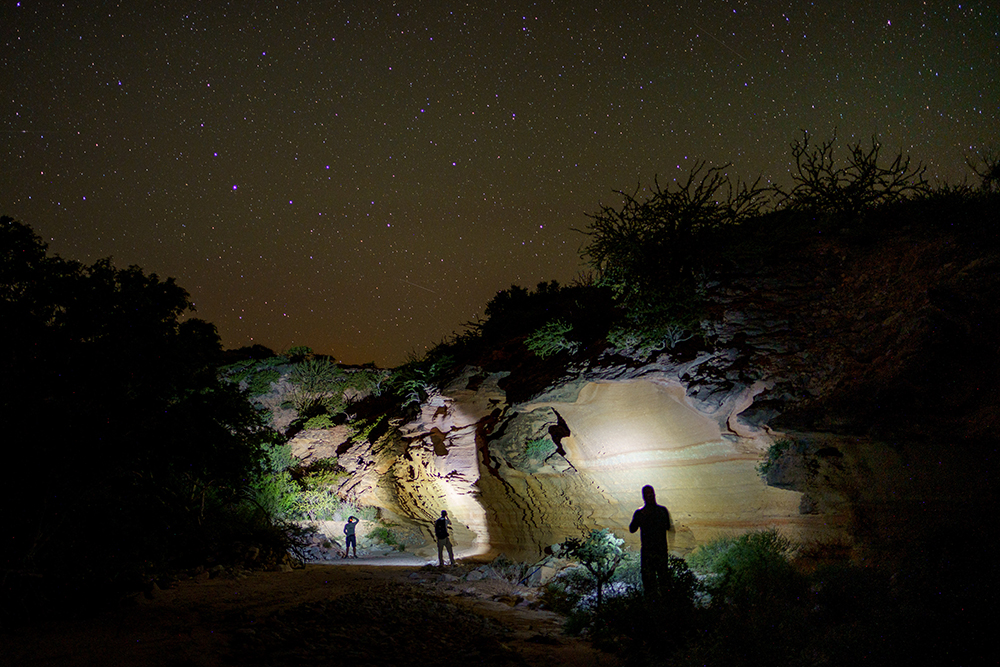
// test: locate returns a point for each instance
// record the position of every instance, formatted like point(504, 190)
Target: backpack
point(441, 528)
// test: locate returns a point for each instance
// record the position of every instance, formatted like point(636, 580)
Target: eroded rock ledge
point(519, 478)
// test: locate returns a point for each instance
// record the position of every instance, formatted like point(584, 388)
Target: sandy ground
point(371, 611)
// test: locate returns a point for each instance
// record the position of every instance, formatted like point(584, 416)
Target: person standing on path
point(654, 564)
point(441, 527)
point(352, 539)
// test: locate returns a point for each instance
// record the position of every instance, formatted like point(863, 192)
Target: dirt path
point(358, 613)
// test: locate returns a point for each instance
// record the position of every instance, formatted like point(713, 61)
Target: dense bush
point(649, 631)
point(552, 338)
point(413, 382)
point(747, 568)
point(317, 383)
point(155, 453)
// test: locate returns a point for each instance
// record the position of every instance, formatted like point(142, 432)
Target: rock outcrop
point(870, 363)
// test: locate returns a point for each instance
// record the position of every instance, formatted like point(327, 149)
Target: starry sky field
point(362, 177)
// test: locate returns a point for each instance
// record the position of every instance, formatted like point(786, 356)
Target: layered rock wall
point(468, 453)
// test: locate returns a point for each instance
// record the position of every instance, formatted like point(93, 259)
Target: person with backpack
point(441, 527)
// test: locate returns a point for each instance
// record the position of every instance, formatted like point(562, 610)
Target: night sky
point(362, 177)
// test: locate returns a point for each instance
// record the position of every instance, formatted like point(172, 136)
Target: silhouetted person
point(352, 539)
point(441, 527)
point(653, 522)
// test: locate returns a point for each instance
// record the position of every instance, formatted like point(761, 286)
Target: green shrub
point(298, 353)
point(665, 240)
point(540, 449)
point(367, 380)
point(639, 342)
point(704, 559)
point(750, 569)
point(413, 381)
point(364, 428)
point(238, 371)
point(660, 318)
point(278, 457)
point(386, 535)
point(628, 571)
point(601, 553)
point(324, 474)
point(648, 630)
point(551, 339)
point(317, 385)
point(260, 381)
point(256, 376)
point(319, 421)
point(315, 505)
point(363, 512)
point(276, 495)
point(561, 597)
point(774, 453)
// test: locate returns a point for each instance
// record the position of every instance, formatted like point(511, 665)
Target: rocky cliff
point(842, 390)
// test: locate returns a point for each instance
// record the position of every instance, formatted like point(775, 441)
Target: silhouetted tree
point(986, 165)
point(822, 186)
point(119, 441)
point(652, 252)
point(647, 245)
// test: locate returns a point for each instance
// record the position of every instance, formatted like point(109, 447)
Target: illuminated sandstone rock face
point(519, 478)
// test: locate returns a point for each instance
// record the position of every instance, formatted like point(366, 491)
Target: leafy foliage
point(415, 380)
point(601, 553)
point(317, 383)
point(386, 535)
point(660, 324)
point(276, 494)
point(319, 422)
point(552, 338)
point(539, 448)
point(516, 310)
point(652, 252)
point(773, 454)
point(256, 376)
point(748, 568)
point(324, 473)
point(314, 504)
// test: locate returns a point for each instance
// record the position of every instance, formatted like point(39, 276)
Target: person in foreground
point(441, 527)
point(653, 522)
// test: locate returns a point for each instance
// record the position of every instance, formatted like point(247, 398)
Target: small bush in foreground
point(600, 553)
point(751, 569)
